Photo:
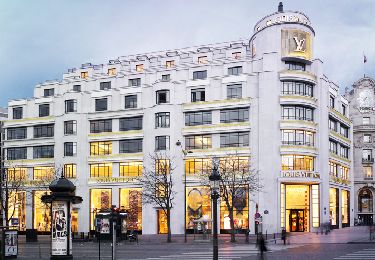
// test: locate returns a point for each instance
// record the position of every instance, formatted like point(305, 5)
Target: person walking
point(261, 246)
point(283, 235)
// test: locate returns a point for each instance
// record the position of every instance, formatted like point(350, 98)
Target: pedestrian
point(283, 235)
point(261, 246)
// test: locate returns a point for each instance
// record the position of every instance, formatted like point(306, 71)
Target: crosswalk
point(226, 253)
point(363, 254)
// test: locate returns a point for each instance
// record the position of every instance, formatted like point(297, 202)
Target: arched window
point(365, 201)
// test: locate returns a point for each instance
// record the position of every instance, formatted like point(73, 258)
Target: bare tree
point(237, 182)
point(157, 185)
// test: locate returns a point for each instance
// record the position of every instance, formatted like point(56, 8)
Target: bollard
point(274, 237)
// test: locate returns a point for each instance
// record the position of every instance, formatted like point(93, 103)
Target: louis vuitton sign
point(300, 174)
point(296, 44)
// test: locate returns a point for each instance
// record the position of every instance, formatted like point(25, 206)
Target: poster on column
point(59, 227)
point(70, 229)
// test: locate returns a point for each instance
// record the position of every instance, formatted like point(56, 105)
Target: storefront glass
point(162, 222)
point(17, 209)
point(333, 206)
point(240, 211)
point(345, 207)
point(198, 205)
point(74, 220)
point(315, 205)
point(297, 208)
point(131, 201)
point(100, 199)
point(42, 212)
point(365, 201)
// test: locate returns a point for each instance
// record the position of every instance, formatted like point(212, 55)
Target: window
point(367, 154)
point(344, 172)
point(332, 124)
point(333, 147)
point(344, 131)
point(131, 101)
point(200, 74)
point(131, 123)
point(139, 67)
point(197, 166)
point(235, 70)
point(198, 118)
point(105, 85)
point(166, 77)
point(16, 133)
point(292, 65)
point(344, 151)
point(297, 113)
point(84, 74)
point(169, 63)
point(236, 139)
point(331, 101)
point(236, 55)
point(70, 149)
point(297, 88)
point(43, 172)
point(297, 137)
point(333, 169)
point(101, 170)
point(134, 82)
point(366, 120)
point(48, 92)
point(101, 104)
point(367, 171)
point(112, 72)
point(202, 60)
point(162, 96)
point(100, 126)
point(297, 162)
point(46, 151)
point(163, 166)
point(234, 115)
point(70, 127)
point(43, 131)
point(198, 95)
point(43, 110)
point(70, 170)
point(234, 91)
point(19, 153)
point(161, 143)
point(131, 146)
point(198, 142)
point(367, 138)
point(77, 88)
point(131, 169)
point(17, 113)
point(365, 200)
point(17, 174)
point(162, 120)
point(70, 105)
point(101, 148)
point(343, 109)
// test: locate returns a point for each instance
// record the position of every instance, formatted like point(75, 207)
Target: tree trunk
point(232, 228)
point(169, 238)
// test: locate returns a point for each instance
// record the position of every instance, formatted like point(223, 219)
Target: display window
point(131, 201)
point(42, 212)
point(365, 201)
point(100, 199)
point(297, 204)
point(162, 222)
point(334, 206)
point(345, 207)
point(198, 205)
point(17, 209)
point(74, 220)
point(240, 204)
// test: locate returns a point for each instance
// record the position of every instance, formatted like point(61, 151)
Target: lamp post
point(215, 194)
point(185, 152)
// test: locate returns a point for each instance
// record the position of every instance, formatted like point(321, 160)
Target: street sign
point(14, 221)
point(266, 212)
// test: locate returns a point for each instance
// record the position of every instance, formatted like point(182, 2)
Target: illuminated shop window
point(297, 162)
point(101, 148)
point(131, 169)
point(315, 205)
point(131, 201)
point(17, 208)
point(70, 170)
point(240, 210)
point(43, 173)
point(162, 166)
point(197, 166)
point(100, 170)
point(17, 174)
point(162, 222)
point(334, 206)
point(42, 212)
point(74, 217)
point(297, 205)
point(365, 201)
point(198, 206)
point(282, 208)
point(345, 207)
point(100, 199)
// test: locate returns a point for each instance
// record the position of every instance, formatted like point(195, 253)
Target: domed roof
point(62, 185)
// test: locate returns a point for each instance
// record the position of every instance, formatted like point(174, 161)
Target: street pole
point(185, 209)
point(214, 197)
point(113, 240)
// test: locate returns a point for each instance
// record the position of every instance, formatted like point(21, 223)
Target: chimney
point(280, 9)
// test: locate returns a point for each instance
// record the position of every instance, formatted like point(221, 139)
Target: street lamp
point(185, 152)
point(215, 194)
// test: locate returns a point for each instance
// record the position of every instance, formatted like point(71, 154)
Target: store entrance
point(297, 220)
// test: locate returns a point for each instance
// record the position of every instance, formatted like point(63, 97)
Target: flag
point(364, 58)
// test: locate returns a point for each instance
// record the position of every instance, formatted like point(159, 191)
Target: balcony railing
point(367, 160)
point(364, 127)
point(297, 143)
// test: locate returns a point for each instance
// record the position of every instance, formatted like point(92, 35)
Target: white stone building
point(265, 98)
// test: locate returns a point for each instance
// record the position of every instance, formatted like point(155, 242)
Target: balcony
point(363, 128)
point(297, 143)
point(367, 160)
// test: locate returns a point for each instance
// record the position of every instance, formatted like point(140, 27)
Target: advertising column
point(60, 227)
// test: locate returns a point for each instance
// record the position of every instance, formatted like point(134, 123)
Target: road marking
point(363, 254)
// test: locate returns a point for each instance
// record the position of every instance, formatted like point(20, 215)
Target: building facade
point(265, 99)
point(362, 107)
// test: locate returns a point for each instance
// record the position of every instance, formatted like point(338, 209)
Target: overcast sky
point(41, 39)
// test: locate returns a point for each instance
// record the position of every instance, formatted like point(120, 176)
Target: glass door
point(296, 220)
